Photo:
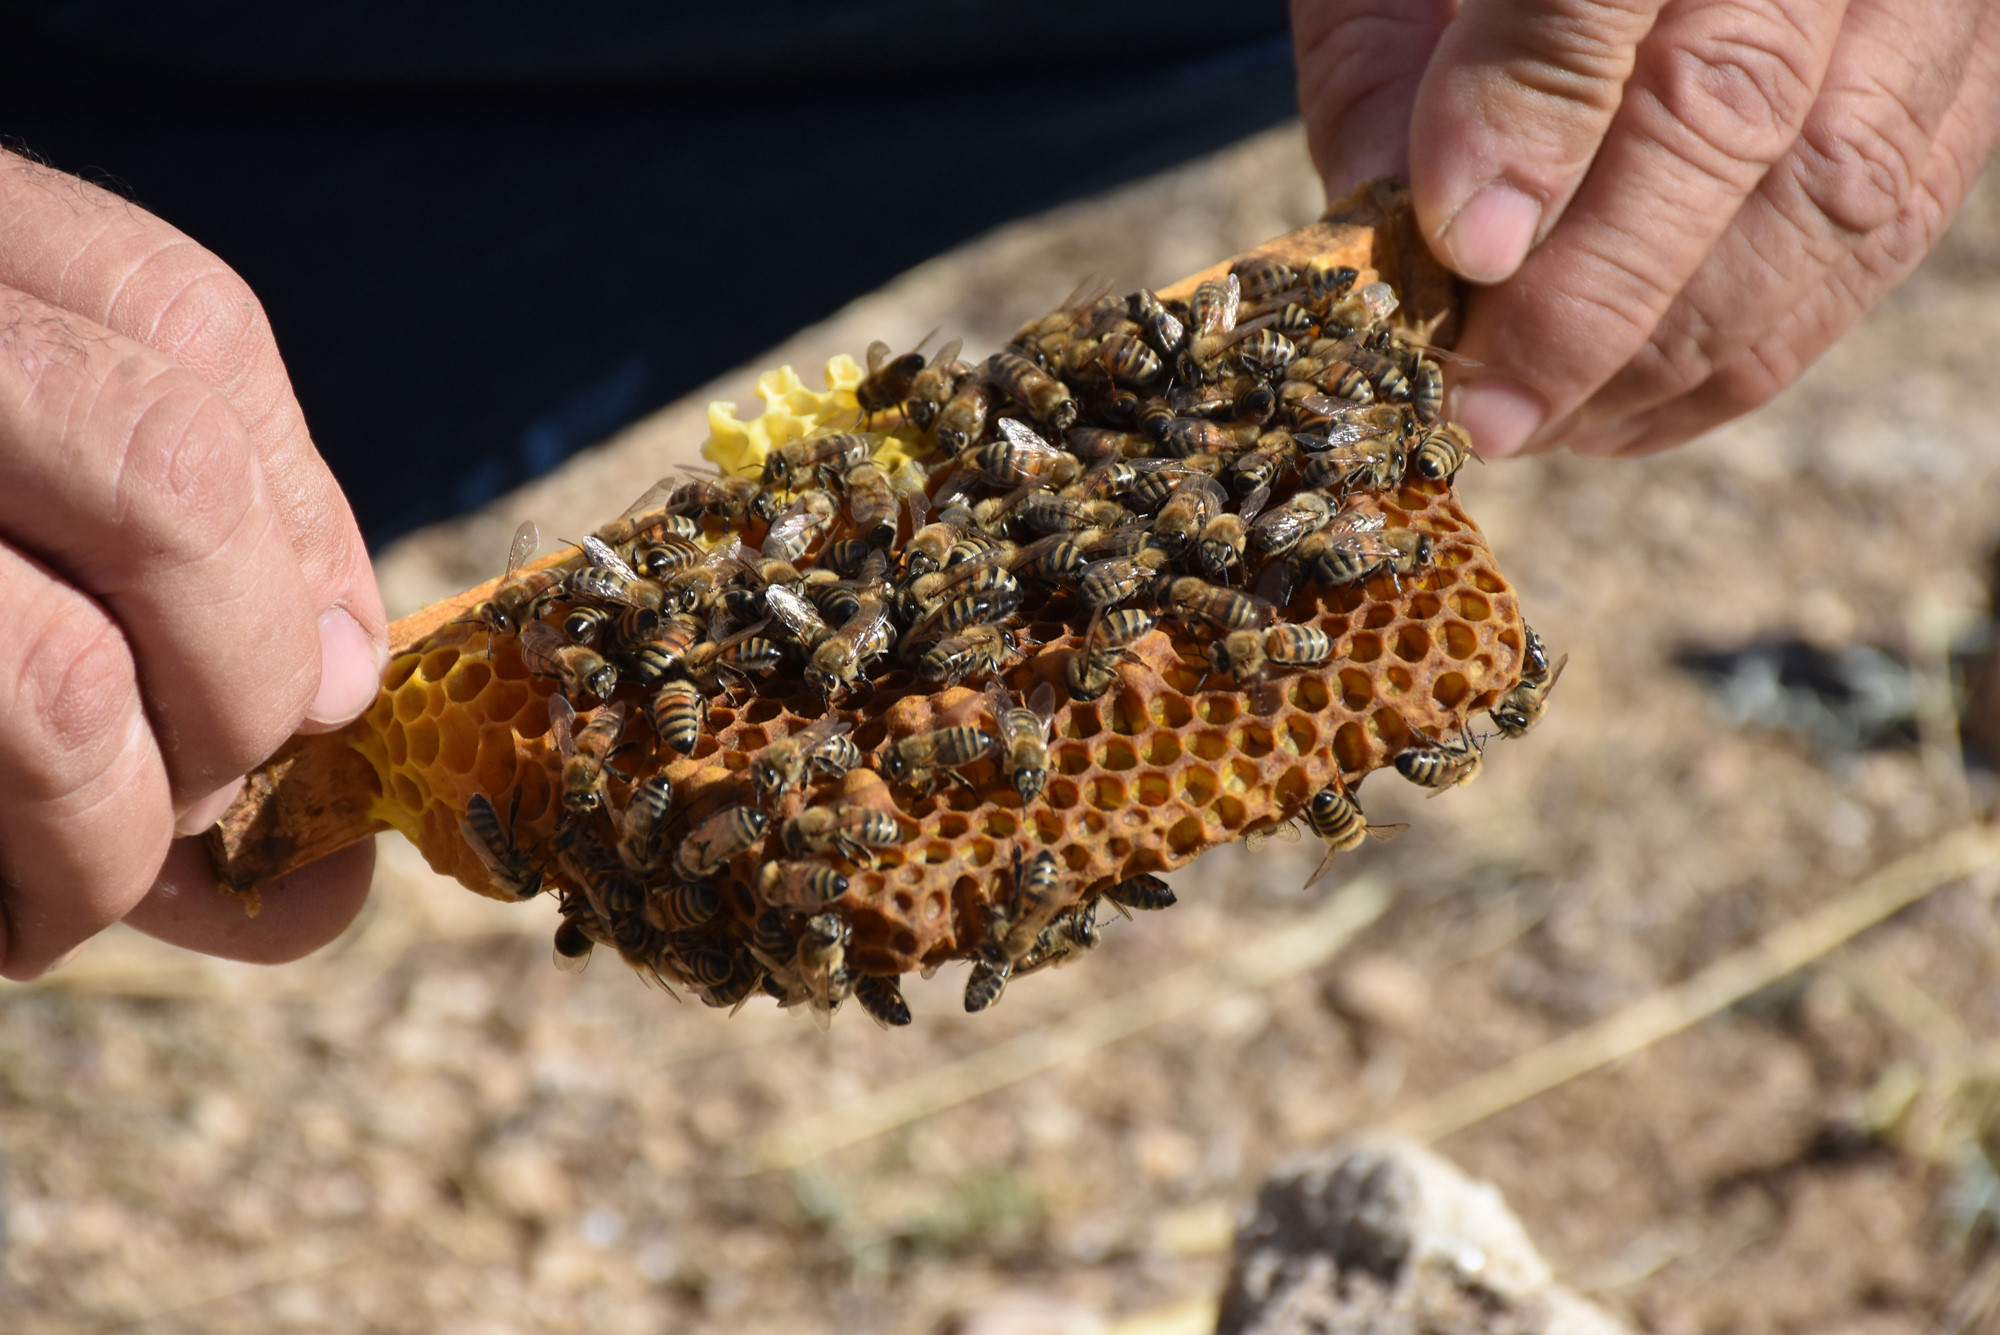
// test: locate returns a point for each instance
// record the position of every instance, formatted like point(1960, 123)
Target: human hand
point(1674, 205)
point(181, 583)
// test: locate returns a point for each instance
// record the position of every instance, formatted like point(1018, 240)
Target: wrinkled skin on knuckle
point(1731, 104)
point(185, 482)
point(1859, 168)
point(75, 706)
point(1578, 55)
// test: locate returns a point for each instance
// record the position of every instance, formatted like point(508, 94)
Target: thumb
point(1508, 118)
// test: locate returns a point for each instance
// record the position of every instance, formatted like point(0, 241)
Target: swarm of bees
point(977, 648)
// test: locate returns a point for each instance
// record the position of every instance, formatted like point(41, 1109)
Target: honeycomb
point(1173, 758)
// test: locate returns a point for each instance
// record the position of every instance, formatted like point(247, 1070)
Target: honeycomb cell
point(1154, 789)
point(1162, 748)
point(1485, 580)
point(762, 711)
point(1229, 813)
point(1118, 755)
point(423, 742)
point(466, 682)
point(398, 745)
point(1253, 740)
point(1352, 748)
point(981, 853)
point(1107, 794)
point(1299, 735)
point(1365, 647)
point(1094, 824)
point(1292, 789)
point(1450, 690)
point(1170, 710)
point(411, 702)
point(1198, 785)
point(1310, 695)
point(1209, 745)
point(437, 664)
point(1083, 722)
point(1239, 777)
point(1186, 835)
point(1049, 826)
point(1379, 615)
point(1413, 644)
point(1357, 690)
point(1471, 606)
point(1001, 824)
point(1061, 793)
point(1460, 641)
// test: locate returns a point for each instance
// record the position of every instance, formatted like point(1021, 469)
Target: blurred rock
point(1384, 1237)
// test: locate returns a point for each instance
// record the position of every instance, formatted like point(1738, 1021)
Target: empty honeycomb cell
point(1292, 788)
point(411, 702)
point(962, 798)
point(1378, 616)
point(903, 900)
point(1209, 745)
point(1049, 826)
point(1137, 816)
point(937, 851)
point(762, 711)
point(1396, 680)
point(952, 826)
point(1216, 707)
point(509, 702)
point(1154, 789)
point(1424, 606)
point(1083, 722)
point(398, 672)
point(1310, 694)
point(1345, 598)
point(1074, 856)
point(1094, 824)
point(1450, 689)
point(398, 745)
point(1118, 755)
point(1118, 848)
point(721, 718)
point(438, 663)
point(1511, 638)
point(1229, 813)
point(1413, 644)
point(1061, 793)
point(1472, 606)
point(1198, 785)
point(750, 739)
point(904, 942)
point(1460, 641)
point(1485, 580)
point(458, 750)
point(1107, 793)
point(1357, 689)
point(1298, 735)
point(1185, 835)
point(1254, 740)
point(1352, 749)
point(408, 793)
point(1365, 647)
point(870, 735)
point(1391, 727)
point(466, 681)
point(423, 741)
point(1170, 710)
point(981, 853)
point(1128, 714)
point(1240, 776)
point(1162, 748)
point(933, 907)
point(1072, 759)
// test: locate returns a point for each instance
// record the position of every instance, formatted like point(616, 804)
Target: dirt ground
point(428, 1128)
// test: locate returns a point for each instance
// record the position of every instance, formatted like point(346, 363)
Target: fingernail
point(208, 810)
point(1490, 236)
point(350, 668)
point(1497, 413)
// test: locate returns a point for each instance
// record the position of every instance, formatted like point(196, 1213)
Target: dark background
point(488, 235)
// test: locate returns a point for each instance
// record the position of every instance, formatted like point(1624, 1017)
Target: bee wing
point(1387, 832)
point(1358, 520)
point(570, 963)
point(562, 724)
point(1286, 830)
point(796, 615)
point(526, 539)
point(947, 354)
point(1253, 503)
point(1325, 866)
point(1000, 702)
point(878, 352)
point(539, 637)
point(1268, 699)
point(920, 509)
point(732, 641)
point(1379, 299)
point(1093, 289)
point(601, 555)
point(1555, 675)
point(1024, 437)
point(1043, 702)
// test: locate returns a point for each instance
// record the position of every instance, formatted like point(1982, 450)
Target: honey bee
point(1037, 893)
point(1091, 669)
point(851, 830)
point(985, 573)
point(823, 967)
point(1442, 451)
point(718, 839)
point(976, 651)
point(1440, 765)
point(771, 939)
point(1162, 328)
point(1364, 309)
point(577, 668)
point(982, 608)
point(1263, 277)
point(872, 505)
point(795, 461)
point(801, 524)
point(1130, 360)
point(1063, 941)
point(838, 663)
point(1248, 655)
point(784, 764)
point(1111, 581)
point(1046, 512)
point(1093, 445)
point(921, 758)
point(805, 886)
point(735, 499)
point(1022, 458)
point(1057, 559)
point(680, 906)
point(1336, 818)
point(608, 579)
point(1521, 708)
point(1265, 352)
point(1328, 283)
point(800, 618)
point(1275, 454)
point(1184, 437)
point(882, 998)
point(1144, 892)
point(962, 420)
point(584, 752)
point(706, 968)
point(642, 826)
point(508, 866)
point(1212, 314)
point(519, 598)
point(1193, 599)
point(663, 651)
point(665, 554)
point(1194, 500)
point(1374, 465)
point(1024, 737)
point(1427, 390)
point(1296, 321)
point(744, 652)
point(889, 379)
point(573, 944)
point(932, 387)
point(1035, 389)
point(678, 709)
point(984, 984)
point(1225, 536)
